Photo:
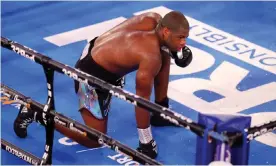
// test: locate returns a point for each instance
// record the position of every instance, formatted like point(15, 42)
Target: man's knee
point(93, 122)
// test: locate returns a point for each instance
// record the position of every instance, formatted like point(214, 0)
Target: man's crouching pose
point(144, 43)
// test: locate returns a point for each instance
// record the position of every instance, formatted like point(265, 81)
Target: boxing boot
point(149, 149)
point(24, 118)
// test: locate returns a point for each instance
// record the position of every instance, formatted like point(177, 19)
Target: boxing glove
point(182, 58)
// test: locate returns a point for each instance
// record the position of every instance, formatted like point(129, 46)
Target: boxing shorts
point(94, 98)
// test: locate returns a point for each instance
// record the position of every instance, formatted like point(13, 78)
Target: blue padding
point(205, 151)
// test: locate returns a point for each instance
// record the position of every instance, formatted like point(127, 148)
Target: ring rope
point(80, 76)
point(166, 113)
point(259, 130)
point(18, 152)
point(254, 132)
point(75, 126)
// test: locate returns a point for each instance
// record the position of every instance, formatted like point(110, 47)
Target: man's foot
point(157, 121)
point(149, 149)
point(22, 121)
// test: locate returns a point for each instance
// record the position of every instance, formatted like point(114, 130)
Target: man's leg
point(94, 107)
point(93, 111)
point(147, 144)
point(90, 121)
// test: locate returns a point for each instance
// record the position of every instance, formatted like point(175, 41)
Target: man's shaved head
point(173, 30)
point(174, 21)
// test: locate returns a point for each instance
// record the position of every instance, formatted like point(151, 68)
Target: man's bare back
point(121, 49)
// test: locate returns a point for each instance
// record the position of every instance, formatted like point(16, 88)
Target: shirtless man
point(144, 43)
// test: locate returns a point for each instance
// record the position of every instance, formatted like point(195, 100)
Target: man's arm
point(147, 70)
point(161, 81)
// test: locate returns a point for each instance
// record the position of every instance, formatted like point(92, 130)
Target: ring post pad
point(206, 147)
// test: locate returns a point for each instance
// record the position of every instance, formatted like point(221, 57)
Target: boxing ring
point(206, 135)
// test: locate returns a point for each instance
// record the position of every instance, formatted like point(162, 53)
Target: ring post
point(209, 149)
point(47, 117)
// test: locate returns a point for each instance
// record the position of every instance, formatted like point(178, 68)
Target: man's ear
point(166, 31)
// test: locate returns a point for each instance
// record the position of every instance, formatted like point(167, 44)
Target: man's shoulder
point(140, 37)
point(147, 42)
point(151, 15)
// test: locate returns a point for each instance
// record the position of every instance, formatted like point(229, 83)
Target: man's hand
point(183, 58)
point(156, 120)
